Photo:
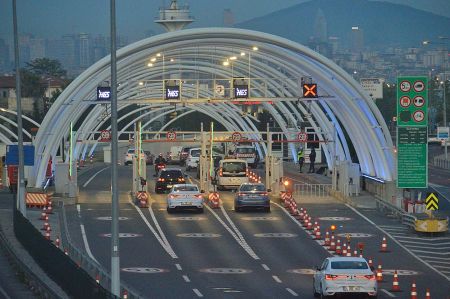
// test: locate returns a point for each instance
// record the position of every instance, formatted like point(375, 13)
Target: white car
point(129, 156)
point(344, 275)
point(193, 158)
point(184, 196)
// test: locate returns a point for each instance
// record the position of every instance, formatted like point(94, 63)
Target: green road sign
point(412, 101)
point(432, 202)
point(412, 162)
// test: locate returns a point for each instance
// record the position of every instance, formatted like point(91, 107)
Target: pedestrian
point(300, 158)
point(312, 159)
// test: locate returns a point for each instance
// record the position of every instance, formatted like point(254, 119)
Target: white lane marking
point(320, 242)
point(163, 236)
point(238, 233)
point(197, 292)
point(178, 267)
point(86, 244)
point(165, 246)
point(397, 242)
point(186, 278)
point(388, 293)
point(439, 191)
point(240, 241)
point(292, 292)
point(427, 239)
point(433, 258)
point(276, 278)
point(4, 294)
point(429, 252)
point(265, 267)
point(92, 177)
point(79, 211)
point(428, 247)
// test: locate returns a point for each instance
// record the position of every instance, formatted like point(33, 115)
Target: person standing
point(312, 159)
point(300, 158)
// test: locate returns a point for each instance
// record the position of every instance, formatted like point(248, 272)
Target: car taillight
point(369, 277)
point(199, 196)
point(334, 277)
point(240, 194)
point(161, 180)
point(220, 171)
point(265, 194)
point(172, 196)
point(180, 179)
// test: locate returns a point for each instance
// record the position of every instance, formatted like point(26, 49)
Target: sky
point(53, 18)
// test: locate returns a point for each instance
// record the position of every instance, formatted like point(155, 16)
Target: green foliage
point(31, 84)
point(45, 67)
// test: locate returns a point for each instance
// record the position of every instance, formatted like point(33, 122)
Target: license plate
point(169, 186)
point(186, 203)
point(351, 289)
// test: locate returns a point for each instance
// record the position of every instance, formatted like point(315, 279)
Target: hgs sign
point(103, 93)
point(172, 93)
point(241, 91)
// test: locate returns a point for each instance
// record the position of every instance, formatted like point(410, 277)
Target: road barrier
point(441, 162)
point(312, 190)
point(214, 200)
point(142, 199)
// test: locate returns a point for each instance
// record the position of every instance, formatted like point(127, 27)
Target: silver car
point(184, 196)
point(344, 275)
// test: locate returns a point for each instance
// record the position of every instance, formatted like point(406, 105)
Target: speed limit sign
point(105, 135)
point(171, 135)
point(236, 136)
point(301, 136)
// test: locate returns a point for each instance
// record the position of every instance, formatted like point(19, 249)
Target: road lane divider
point(276, 278)
point(292, 292)
point(186, 278)
point(178, 266)
point(86, 244)
point(158, 227)
point(197, 292)
point(165, 246)
point(240, 241)
point(265, 267)
point(93, 176)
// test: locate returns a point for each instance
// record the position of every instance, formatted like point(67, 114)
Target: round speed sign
point(302, 136)
point(236, 136)
point(105, 135)
point(171, 135)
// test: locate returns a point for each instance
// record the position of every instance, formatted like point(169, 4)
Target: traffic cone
point(344, 250)
point(427, 294)
point(383, 247)
point(355, 253)
point(45, 226)
point(48, 228)
point(43, 213)
point(332, 243)
point(57, 242)
point(379, 273)
point(413, 291)
point(318, 235)
point(395, 285)
point(309, 226)
point(47, 235)
point(327, 241)
point(125, 294)
point(97, 278)
point(49, 210)
point(349, 250)
point(338, 248)
point(66, 252)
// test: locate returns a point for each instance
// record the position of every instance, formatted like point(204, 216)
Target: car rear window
point(349, 265)
point(252, 188)
point(131, 151)
point(185, 188)
point(195, 153)
point(244, 150)
point(233, 167)
point(171, 174)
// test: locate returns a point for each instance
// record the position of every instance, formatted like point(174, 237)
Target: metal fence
point(95, 270)
point(441, 162)
point(312, 190)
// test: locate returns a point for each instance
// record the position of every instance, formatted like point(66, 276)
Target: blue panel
point(12, 155)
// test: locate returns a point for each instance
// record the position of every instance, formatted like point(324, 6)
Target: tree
point(45, 67)
point(31, 84)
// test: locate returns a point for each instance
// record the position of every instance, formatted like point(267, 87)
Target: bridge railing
point(312, 190)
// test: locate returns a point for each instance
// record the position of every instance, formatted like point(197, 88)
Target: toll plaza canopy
point(203, 63)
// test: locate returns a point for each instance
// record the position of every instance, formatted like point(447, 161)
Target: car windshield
point(252, 188)
point(245, 150)
point(195, 153)
point(354, 265)
point(234, 167)
point(171, 174)
point(185, 188)
point(131, 151)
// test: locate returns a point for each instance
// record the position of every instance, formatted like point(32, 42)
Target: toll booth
point(347, 178)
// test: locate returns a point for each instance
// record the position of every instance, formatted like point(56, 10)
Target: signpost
point(412, 132)
point(105, 136)
point(373, 86)
point(443, 133)
point(236, 136)
point(432, 202)
point(171, 135)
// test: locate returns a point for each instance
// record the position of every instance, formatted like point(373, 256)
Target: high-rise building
point(228, 17)
point(37, 48)
point(174, 17)
point(85, 50)
point(320, 27)
point(357, 40)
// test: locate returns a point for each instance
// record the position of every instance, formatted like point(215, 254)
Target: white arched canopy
point(272, 65)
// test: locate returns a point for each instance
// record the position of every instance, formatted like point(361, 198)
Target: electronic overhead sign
point(240, 91)
point(310, 90)
point(103, 93)
point(172, 90)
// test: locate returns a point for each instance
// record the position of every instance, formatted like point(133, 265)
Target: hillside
point(384, 24)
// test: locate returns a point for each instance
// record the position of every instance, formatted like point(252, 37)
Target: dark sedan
point(168, 177)
point(252, 195)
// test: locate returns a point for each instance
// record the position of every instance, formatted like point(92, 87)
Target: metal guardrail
point(409, 220)
point(441, 162)
point(312, 190)
point(87, 263)
point(34, 281)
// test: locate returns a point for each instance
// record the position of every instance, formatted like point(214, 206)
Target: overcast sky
point(52, 18)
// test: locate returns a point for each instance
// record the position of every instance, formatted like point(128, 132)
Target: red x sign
point(310, 90)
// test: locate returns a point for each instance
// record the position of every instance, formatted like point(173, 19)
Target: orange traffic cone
point(344, 250)
point(125, 294)
point(379, 273)
point(370, 262)
point(383, 247)
point(47, 235)
point(57, 242)
point(355, 253)
point(338, 248)
point(318, 235)
point(427, 294)
point(45, 226)
point(333, 244)
point(395, 285)
point(66, 252)
point(413, 291)
point(44, 213)
point(327, 240)
point(349, 250)
point(97, 278)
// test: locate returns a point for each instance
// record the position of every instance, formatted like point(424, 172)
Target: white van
point(248, 153)
point(231, 173)
point(193, 158)
point(174, 155)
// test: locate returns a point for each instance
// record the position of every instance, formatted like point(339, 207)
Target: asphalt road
point(223, 254)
